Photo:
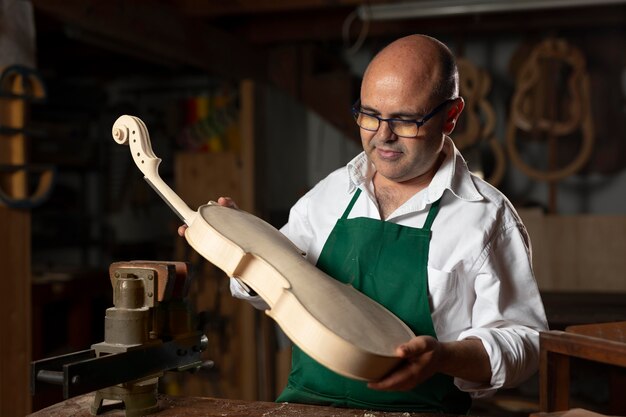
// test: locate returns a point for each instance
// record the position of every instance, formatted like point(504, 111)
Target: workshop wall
point(587, 202)
point(597, 189)
point(102, 211)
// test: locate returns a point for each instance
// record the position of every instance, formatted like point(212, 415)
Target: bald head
point(410, 79)
point(422, 63)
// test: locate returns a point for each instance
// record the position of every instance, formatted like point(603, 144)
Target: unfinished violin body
point(332, 322)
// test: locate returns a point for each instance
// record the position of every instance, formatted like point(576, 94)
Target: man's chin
point(392, 175)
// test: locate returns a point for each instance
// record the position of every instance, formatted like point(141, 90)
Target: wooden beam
point(15, 285)
point(327, 25)
point(217, 8)
point(161, 31)
point(328, 92)
point(15, 348)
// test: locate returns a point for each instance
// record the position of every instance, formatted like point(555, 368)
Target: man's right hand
point(222, 201)
point(227, 202)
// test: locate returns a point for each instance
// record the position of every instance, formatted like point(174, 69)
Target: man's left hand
point(422, 356)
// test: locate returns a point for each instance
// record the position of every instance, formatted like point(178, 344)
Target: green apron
point(388, 263)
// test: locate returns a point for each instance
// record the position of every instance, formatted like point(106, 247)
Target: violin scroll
point(120, 135)
point(132, 131)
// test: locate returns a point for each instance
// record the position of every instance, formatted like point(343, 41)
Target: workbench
point(213, 407)
point(604, 343)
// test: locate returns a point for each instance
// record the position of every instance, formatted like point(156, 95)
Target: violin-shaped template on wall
point(478, 121)
point(552, 103)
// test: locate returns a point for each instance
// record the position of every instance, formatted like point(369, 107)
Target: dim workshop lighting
point(434, 8)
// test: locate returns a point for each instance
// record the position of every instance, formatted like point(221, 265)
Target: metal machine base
point(138, 399)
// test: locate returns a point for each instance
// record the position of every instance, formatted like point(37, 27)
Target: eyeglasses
point(400, 127)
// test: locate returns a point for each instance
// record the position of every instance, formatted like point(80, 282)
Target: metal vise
point(149, 330)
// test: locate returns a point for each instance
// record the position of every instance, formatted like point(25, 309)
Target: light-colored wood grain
point(578, 252)
point(331, 321)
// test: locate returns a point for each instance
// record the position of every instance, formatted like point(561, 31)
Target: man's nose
point(384, 131)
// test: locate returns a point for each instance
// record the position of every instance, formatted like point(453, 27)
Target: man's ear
point(452, 115)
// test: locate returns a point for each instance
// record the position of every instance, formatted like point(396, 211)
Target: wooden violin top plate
point(327, 319)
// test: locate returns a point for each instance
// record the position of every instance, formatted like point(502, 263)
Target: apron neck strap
point(349, 208)
point(432, 213)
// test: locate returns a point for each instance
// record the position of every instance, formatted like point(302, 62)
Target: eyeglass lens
point(400, 128)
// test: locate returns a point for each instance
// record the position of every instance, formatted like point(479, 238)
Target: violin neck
point(172, 199)
point(132, 131)
point(149, 166)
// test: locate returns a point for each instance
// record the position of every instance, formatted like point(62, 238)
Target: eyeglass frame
point(419, 123)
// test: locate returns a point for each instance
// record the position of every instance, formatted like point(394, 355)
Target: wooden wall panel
point(15, 313)
point(239, 340)
point(578, 252)
point(201, 177)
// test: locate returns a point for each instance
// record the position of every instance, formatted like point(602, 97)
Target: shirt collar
point(360, 170)
point(452, 175)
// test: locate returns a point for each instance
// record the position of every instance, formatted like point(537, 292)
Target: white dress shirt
point(480, 277)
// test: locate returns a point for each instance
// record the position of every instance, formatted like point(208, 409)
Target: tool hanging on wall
point(479, 120)
point(19, 86)
point(211, 122)
point(552, 101)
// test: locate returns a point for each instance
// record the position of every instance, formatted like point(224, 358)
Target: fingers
point(222, 201)
point(227, 202)
point(403, 379)
point(420, 363)
point(415, 347)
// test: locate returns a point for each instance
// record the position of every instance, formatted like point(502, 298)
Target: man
point(408, 225)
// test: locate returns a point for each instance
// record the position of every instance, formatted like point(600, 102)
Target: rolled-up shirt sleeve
point(241, 291)
point(508, 313)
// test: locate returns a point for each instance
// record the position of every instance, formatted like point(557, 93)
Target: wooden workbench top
point(212, 407)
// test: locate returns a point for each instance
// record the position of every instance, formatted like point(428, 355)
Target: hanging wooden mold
point(475, 135)
point(552, 103)
point(20, 86)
